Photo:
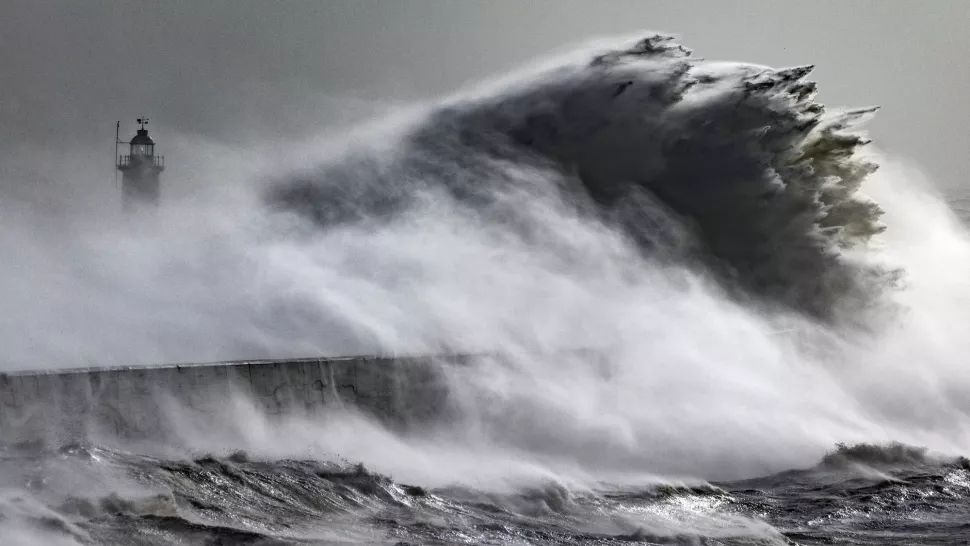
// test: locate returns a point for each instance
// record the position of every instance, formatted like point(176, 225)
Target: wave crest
point(728, 166)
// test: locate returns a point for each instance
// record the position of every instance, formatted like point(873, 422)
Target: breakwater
point(134, 402)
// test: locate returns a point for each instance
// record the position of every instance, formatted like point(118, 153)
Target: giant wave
point(727, 166)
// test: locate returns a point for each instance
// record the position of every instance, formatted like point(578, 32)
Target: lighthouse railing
point(126, 161)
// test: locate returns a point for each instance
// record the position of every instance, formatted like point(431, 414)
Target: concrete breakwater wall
point(134, 402)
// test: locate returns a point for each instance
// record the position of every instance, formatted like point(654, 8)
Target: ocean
point(861, 494)
point(777, 312)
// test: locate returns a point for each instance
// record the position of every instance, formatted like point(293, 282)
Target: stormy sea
point(723, 316)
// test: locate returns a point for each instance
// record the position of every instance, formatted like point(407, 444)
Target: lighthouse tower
point(140, 169)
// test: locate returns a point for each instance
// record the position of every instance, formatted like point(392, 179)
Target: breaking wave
point(705, 228)
point(725, 166)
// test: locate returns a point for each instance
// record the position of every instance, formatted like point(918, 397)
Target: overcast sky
point(237, 71)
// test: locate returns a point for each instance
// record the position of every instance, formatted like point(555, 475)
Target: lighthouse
point(139, 169)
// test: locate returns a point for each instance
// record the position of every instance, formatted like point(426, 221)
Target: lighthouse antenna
point(116, 158)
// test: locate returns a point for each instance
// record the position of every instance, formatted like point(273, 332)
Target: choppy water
point(855, 495)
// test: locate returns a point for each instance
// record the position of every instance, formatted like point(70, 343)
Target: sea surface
point(861, 494)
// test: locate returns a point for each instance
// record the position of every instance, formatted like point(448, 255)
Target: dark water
point(856, 495)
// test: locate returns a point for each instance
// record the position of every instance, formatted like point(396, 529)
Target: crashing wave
point(731, 167)
point(894, 454)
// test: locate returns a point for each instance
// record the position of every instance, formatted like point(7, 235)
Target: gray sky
point(236, 71)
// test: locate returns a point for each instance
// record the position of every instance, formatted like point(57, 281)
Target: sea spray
point(702, 228)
